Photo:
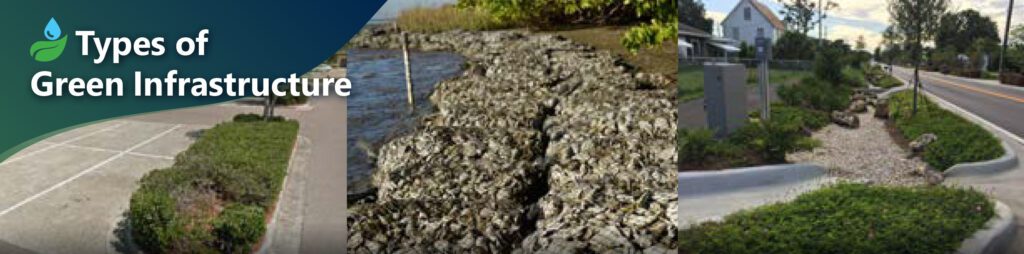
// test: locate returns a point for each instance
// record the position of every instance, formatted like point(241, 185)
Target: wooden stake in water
point(408, 72)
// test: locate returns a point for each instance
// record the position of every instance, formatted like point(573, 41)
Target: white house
point(750, 20)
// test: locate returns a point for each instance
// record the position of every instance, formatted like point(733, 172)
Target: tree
point(799, 15)
point(823, 8)
point(959, 30)
point(891, 38)
point(793, 45)
point(691, 13)
point(918, 21)
point(860, 44)
point(878, 54)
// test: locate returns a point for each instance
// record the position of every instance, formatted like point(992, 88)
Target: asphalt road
point(1003, 107)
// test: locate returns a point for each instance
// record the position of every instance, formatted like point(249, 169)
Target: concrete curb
point(996, 236)
point(730, 180)
point(1006, 162)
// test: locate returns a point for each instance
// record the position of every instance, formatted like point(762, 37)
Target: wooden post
point(408, 72)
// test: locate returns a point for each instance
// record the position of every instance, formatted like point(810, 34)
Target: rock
point(931, 176)
point(882, 108)
point(858, 106)
point(533, 114)
point(845, 119)
point(434, 226)
point(921, 142)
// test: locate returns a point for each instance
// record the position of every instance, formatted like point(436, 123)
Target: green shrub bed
point(849, 218)
point(756, 143)
point(880, 78)
point(216, 195)
point(959, 140)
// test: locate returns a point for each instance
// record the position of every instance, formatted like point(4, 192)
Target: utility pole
point(1006, 36)
point(821, 26)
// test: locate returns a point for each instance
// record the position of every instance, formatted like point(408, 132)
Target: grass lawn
point(849, 218)
point(691, 80)
point(959, 140)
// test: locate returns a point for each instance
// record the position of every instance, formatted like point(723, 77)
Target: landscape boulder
point(921, 142)
point(845, 119)
point(882, 108)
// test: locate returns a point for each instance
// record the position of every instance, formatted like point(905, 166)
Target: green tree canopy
point(799, 14)
point(691, 13)
point(960, 30)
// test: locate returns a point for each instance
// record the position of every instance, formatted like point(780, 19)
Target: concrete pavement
point(1002, 109)
point(68, 193)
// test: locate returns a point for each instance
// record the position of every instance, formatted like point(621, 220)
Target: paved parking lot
point(68, 193)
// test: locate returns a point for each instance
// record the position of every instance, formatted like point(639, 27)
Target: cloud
point(850, 34)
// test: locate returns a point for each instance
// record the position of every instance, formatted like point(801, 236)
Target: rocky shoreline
point(543, 145)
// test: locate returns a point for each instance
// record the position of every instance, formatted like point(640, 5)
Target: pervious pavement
point(68, 193)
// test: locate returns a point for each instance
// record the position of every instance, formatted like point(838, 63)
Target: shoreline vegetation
point(218, 194)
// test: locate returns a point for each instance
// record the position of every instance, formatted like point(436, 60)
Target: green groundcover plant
point(959, 140)
point(849, 218)
point(215, 196)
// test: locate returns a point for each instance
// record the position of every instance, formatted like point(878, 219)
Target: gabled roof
point(764, 10)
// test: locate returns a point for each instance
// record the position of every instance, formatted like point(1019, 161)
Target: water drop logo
point(52, 47)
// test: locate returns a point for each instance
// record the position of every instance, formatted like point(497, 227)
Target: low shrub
point(771, 139)
point(880, 78)
point(959, 140)
point(255, 118)
point(237, 165)
point(1011, 78)
point(288, 100)
point(699, 150)
point(154, 222)
point(806, 119)
point(849, 218)
point(239, 227)
point(814, 94)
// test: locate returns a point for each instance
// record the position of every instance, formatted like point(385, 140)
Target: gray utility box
point(725, 97)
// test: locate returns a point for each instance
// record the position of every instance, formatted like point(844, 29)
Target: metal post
point(765, 90)
point(408, 72)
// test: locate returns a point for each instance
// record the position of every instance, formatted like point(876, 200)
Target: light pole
point(1006, 36)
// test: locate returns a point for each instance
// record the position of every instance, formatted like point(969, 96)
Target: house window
point(736, 33)
point(746, 13)
point(760, 32)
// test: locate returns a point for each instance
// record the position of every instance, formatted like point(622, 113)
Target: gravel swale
point(865, 154)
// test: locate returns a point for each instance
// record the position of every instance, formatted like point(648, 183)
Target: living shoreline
point(543, 144)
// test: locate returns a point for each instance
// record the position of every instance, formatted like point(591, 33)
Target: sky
point(870, 17)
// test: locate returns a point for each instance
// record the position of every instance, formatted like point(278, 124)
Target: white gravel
point(864, 154)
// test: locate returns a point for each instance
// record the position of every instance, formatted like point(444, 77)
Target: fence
point(782, 64)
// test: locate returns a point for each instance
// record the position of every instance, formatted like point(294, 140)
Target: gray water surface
point(378, 109)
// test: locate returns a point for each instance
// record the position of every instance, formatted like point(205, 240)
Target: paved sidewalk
point(1007, 187)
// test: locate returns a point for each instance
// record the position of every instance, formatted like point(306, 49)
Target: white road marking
point(966, 113)
point(154, 156)
point(86, 171)
point(10, 160)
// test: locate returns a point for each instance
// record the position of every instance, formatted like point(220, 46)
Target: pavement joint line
point(86, 171)
point(971, 115)
point(119, 124)
point(111, 150)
